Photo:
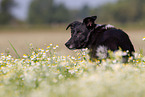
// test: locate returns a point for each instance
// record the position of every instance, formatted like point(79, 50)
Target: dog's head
point(80, 33)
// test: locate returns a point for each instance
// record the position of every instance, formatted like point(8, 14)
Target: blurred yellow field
point(21, 39)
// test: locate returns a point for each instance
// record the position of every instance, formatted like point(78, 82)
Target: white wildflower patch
point(43, 71)
point(25, 56)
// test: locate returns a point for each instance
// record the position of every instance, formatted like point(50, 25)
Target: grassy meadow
point(46, 68)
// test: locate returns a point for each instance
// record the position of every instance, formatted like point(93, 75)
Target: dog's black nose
point(67, 44)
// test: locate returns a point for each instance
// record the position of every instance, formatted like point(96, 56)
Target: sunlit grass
point(44, 73)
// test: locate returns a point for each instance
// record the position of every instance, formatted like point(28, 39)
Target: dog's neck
point(96, 31)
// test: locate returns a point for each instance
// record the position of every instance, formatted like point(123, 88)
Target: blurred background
point(42, 22)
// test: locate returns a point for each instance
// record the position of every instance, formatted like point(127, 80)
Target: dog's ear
point(69, 26)
point(73, 24)
point(90, 21)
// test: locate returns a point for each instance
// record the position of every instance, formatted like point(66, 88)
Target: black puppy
point(92, 36)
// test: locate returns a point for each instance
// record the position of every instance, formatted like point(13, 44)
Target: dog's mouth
point(69, 46)
point(72, 47)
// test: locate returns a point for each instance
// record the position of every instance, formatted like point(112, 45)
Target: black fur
point(87, 35)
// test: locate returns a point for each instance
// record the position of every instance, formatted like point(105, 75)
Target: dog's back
point(111, 38)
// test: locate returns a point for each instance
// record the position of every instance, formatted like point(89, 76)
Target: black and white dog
point(89, 35)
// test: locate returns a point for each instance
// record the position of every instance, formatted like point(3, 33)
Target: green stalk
point(14, 50)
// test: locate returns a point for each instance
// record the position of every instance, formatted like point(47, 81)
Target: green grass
point(14, 50)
